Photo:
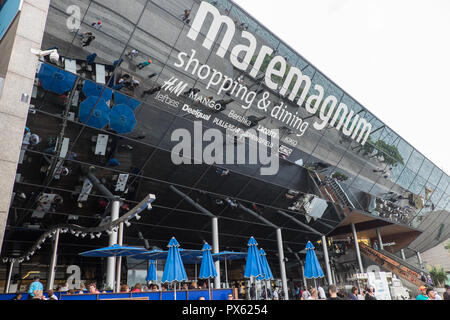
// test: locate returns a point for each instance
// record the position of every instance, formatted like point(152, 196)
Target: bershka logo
point(226, 149)
point(329, 110)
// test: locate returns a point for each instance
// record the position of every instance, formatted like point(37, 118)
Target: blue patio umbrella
point(207, 268)
point(113, 251)
point(56, 80)
point(120, 98)
point(253, 267)
point(122, 119)
point(93, 89)
point(99, 117)
point(267, 272)
point(312, 265)
point(228, 255)
point(151, 273)
point(174, 268)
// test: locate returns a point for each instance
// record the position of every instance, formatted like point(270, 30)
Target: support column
point(111, 262)
point(51, 278)
point(403, 254)
point(358, 253)
point(327, 260)
point(119, 259)
point(419, 258)
point(304, 278)
point(215, 243)
point(8, 281)
point(282, 264)
point(380, 241)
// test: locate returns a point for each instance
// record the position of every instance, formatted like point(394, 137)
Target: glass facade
point(385, 177)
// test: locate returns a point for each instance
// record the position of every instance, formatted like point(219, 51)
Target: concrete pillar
point(282, 264)
point(403, 254)
point(51, 278)
point(215, 243)
point(111, 262)
point(17, 72)
point(8, 280)
point(419, 259)
point(358, 253)
point(119, 259)
point(327, 260)
point(380, 241)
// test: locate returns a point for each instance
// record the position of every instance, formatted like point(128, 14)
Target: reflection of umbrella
point(207, 268)
point(267, 272)
point(312, 265)
point(228, 255)
point(99, 118)
point(174, 268)
point(151, 273)
point(120, 98)
point(92, 89)
point(122, 119)
point(56, 80)
point(253, 267)
point(113, 251)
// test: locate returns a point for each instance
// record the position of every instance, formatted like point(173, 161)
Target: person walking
point(34, 286)
point(186, 15)
point(96, 25)
point(433, 295)
point(333, 291)
point(144, 64)
point(252, 292)
point(422, 277)
point(354, 294)
point(305, 294)
point(370, 295)
point(447, 292)
point(321, 293)
point(132, 54)
point(423, 293)
point(429, 280)
point(86, 39)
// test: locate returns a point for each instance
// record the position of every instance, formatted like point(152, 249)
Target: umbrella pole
point(175, 291)
point(196, 272)
point(266, 291)
point(209, 287)
point(315, 286)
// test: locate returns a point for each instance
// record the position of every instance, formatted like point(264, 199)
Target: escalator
point(394, 264)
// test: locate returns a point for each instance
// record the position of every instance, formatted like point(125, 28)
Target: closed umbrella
point(267, 272)
point(174, 268)
point(93, 89)
point(56, 80)
point(253, 266)
point(151, 272)
point(207, 268)
point(122, 119)
point(94, 112)
point(312, 265)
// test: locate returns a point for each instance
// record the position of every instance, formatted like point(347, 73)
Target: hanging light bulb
point(28, 258)
point(72, 231)
point(83, 235)
point(108, 232)
point(20, 260)
point(31, 253)
point(98, 234)
point(137, 216)
point(5, 260)
point(38, 247)
point(92, 236)
point(127, 223)
point(50, 235)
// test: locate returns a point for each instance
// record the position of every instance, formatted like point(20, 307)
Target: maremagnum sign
point(327, 108)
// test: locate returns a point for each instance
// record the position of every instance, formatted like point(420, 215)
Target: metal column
point(119, 259)
point(51, 278)
point(327, 260)
point(403, 254)
point(8, 281)
point(282, 264)
point(215, 243)
point(379, 239)
point(419, 258)
point(111, 262)
point(358, 254)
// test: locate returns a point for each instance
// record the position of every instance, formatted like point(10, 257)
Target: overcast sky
point(393, 56)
